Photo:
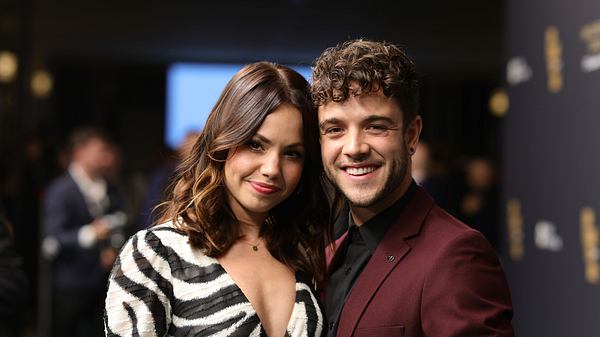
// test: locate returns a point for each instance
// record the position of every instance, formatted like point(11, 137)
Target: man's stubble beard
point(396, 174)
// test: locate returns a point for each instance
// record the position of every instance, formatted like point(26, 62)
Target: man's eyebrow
point(378, 118)
point(331, 120)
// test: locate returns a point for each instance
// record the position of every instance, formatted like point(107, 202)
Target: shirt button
point(390, 258)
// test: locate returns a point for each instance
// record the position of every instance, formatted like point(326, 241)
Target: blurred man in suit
point(401, 266)
point(82, 218)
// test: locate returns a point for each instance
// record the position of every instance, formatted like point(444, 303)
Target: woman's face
point(266, 170)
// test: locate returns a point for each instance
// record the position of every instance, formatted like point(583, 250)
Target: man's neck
point(361, 215)
point(82, 171)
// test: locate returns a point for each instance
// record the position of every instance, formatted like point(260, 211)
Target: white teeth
point(358, 171)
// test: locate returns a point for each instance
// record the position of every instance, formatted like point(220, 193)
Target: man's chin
point(361, 201)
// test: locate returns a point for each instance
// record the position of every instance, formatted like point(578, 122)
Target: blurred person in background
point(434, 173)
point(129, 186)
point(13, 282)
point(244, 229)
point(28, 173)
point(421, 165)
point(479, 199)
point(159, 180)
point(82, 218)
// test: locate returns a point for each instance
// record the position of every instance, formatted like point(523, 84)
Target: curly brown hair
point(360, 66)
point(295, 231)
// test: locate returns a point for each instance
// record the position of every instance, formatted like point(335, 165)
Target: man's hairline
point(405, 117)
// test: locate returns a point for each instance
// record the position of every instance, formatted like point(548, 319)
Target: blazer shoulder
point(60, 185)
point(441, 230)
point(443, 223)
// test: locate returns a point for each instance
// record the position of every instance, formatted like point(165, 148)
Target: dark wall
point(459, 37)
point(90, 48)
point(108, 60)
point(551, 163)
point(127, 99)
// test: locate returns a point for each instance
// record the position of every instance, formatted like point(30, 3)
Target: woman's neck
point(249, 229)
point(250, 222)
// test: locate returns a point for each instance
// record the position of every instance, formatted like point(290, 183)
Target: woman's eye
point(295, 154)
point(255, 146)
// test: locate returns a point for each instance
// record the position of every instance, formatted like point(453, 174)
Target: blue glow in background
point(192, 91)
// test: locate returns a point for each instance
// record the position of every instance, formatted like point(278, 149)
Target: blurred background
point(509, 99)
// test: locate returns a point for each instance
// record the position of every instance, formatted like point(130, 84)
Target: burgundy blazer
point(431, 275)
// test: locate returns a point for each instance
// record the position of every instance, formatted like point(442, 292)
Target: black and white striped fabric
point(160, 286)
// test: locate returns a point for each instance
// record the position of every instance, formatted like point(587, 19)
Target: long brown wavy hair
point(295, 231)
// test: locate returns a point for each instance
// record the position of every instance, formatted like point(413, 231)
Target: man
point(401, 266)
point(81, 221)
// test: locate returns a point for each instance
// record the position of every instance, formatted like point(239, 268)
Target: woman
point(245, 225)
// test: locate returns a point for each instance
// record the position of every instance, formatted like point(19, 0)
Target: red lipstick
point(263, 188)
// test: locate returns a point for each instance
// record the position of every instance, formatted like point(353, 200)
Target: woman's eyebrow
point(299, 144)
point(263, 139)
point(267, 141)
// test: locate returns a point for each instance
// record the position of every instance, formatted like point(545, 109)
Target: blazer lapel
point(332, 253)
point(390, 251)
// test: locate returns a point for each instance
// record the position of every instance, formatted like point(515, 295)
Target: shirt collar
point(374, 230)
point(94, 190)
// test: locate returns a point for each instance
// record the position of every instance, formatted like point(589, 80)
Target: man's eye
point(376, 128)
point(333, 130)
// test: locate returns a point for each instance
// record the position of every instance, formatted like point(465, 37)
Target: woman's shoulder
point(167, 229)
point(171, 243)
point(305, 281)
point(158, 234)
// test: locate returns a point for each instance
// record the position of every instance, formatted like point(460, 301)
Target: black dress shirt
point(355, 254)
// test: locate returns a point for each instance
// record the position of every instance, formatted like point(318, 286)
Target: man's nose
point(355, 145)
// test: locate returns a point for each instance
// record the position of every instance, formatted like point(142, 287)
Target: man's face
point(365, 149)
point(93, 156)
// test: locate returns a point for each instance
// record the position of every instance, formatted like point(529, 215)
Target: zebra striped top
point(161, 286)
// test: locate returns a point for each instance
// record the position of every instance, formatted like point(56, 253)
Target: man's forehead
point(94, 142)
point(373, 102)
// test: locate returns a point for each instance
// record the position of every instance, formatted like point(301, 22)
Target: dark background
point(550, 166)
point(109, 59)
